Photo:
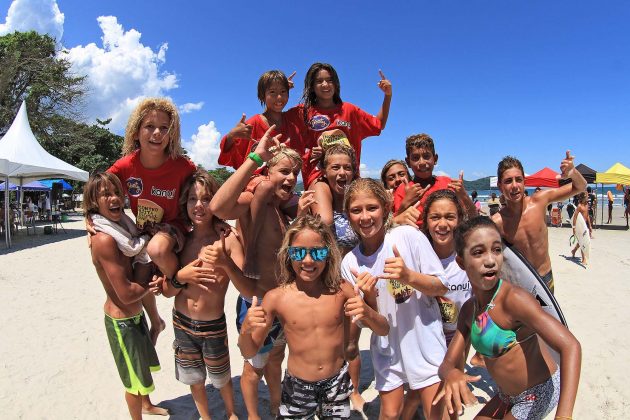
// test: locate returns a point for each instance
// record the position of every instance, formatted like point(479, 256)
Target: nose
point(490, 260)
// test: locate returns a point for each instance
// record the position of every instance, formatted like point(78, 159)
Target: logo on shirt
point(342, 123)
point(134, 186)
point(169, 194)
point(319, 122)
point(401, 292)
point(448, 310)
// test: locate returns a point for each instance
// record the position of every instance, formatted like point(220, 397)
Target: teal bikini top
point(487, 337)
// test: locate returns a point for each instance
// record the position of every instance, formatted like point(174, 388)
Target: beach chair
point(556, 217)
point(29, 221)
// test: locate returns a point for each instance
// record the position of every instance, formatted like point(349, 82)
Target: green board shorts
point(133, 352)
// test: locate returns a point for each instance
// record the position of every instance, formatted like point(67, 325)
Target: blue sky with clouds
point(484, 79)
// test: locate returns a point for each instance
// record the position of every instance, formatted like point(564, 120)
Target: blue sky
point(484, 79)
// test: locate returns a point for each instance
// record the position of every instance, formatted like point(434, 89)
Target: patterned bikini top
point(346, 237)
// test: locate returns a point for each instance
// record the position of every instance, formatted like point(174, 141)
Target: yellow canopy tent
point(616, 174)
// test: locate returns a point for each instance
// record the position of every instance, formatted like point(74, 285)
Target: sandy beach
point(56, 361)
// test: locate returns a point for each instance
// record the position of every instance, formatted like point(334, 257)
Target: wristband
point(256, 158)
point(177, 284)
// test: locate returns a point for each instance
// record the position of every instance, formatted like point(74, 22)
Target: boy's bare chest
point(325, 312)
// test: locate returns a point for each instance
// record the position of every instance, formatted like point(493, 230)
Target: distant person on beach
point(422, 158)
point(152, 171)
point(626, 203)
point(400, 276)
point(231, 202)
point(522, 221)
point(494, 204)
point(315, 306)
point(507, 326)
point(477, 203)
point(611, 200)
point(582, 208)
point(127, 331)
point(210, 261)
point(592, 205)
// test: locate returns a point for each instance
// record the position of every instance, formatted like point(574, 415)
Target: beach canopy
point(23, 158)
point(616, 174)
point(546, 177)
point(31, 186)
point(49, 183)
point(587, 173)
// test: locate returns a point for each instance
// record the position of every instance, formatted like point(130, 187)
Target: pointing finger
point(291, 76)
point(461, 176)
point(243, 118)
point(568, 154)
point(380, 72)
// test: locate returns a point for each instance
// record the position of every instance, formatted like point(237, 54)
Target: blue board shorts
point(274, 338)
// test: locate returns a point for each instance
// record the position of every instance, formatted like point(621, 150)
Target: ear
point(460, 261)
point(407, 161)
point(435, 158)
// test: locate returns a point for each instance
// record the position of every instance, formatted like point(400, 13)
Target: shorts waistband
point(197, 325)
point(322, 382)
point(134, 317)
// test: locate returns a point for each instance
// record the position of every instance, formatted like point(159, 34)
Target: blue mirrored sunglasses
point(298, 253)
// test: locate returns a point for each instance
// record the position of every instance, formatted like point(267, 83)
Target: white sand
point(56, 361)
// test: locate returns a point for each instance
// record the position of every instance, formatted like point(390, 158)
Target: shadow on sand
point(576, 260)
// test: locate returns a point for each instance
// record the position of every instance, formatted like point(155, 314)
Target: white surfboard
point(583, 236)
point(517, 270)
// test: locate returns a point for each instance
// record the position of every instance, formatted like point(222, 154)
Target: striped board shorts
point(200, 347)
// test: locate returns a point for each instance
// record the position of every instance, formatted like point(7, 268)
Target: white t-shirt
point(459, 292)
point(415, 346)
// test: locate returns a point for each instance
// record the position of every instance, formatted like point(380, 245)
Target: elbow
point(246, 351)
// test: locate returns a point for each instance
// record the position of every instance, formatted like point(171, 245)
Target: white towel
point(126, 235)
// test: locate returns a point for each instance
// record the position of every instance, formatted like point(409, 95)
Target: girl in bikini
point(507, 326)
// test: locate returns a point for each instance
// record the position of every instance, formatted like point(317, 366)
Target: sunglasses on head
point(298, 253)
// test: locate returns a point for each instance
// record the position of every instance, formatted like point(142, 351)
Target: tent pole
point(21, 201)
point(601, 190)
point(7, 221)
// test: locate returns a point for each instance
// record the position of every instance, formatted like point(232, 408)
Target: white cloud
point(441, 173)
point(203, 148)
point(120, 73)
point(189, 107)
point(42, 16)
point(369, 173)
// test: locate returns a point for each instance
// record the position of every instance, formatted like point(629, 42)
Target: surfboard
point(517, 270)
point(583, 236)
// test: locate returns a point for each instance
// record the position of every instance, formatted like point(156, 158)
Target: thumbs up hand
point(395, 268)
point(365, 282)
point(384, 84)
point(241, 130)
point(566, 166)
point(256, 318)
point(356, 307)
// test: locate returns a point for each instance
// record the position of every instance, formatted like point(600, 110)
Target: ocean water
point(484, 195)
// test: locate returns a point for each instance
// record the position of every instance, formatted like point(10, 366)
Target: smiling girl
point(507, 326)
point(400, 275)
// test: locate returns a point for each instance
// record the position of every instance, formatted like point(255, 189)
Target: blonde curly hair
point(131, 144)
point(331, 275)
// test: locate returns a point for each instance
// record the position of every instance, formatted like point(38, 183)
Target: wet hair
point(202, 177)
point(131, 143)
point(387, 167)
point(419, 141)
point(372, 187)
point(582, 198)
point(267, 79)
point(342, 149)
point(308, 95)
point(463, 231)
point(437, 196)
point(92, 189)
point(281, 154)
point(331, 275)
point(509, 162)
point(473, 194)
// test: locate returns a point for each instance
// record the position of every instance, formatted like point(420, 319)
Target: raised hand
point(455, 391)
point(395, 268)
point(365, 282)
point(413, 194)
point(566, 166)
point(290, 79)
point(408, 217)
point(457, 185)
point(304, 203)
point(355, 307)
point(196, 273)
point(268, 144)
point(241, 130)
point(215, 254)
point(384, 84)
point(256, 318)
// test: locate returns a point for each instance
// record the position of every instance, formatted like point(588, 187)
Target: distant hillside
point(478, 184)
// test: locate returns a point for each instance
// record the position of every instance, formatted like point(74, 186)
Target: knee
point(390, 413)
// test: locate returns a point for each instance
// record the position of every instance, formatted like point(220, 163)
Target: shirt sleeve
point(366, 124)
point(429, 263)
point(399, 195)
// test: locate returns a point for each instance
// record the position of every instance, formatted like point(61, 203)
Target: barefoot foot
point(154, 410)
point(156, 330)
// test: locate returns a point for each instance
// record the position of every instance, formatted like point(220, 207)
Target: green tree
point(220, 174)
point(31, 70)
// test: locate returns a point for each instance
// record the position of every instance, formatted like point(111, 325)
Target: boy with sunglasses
point(310, 302)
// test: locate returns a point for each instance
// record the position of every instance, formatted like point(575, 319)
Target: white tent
point(23, 159)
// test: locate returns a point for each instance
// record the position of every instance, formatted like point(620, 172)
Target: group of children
point(407, 258)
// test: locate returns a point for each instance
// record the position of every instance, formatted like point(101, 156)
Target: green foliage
point(478, 184)
point(220, 174)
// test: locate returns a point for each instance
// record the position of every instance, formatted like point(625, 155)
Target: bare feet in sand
point(154, 410)
point(478, 361)
point(357, 401)
point(156, 330)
